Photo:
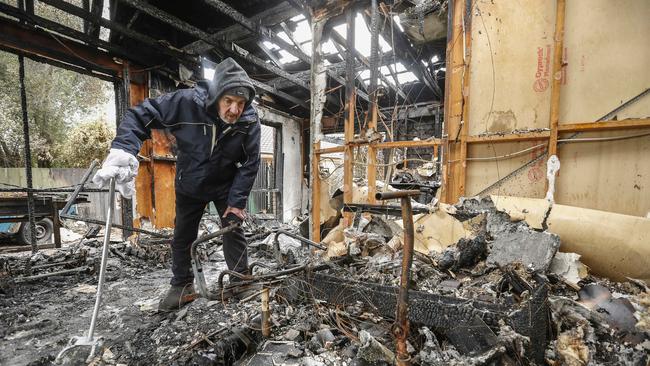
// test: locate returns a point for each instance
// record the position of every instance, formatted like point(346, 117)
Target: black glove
point(230, 219)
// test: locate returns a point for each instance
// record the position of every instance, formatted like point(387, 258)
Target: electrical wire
point(506, 156)
point(393, 163)
point(597, 139)
point(566, 140)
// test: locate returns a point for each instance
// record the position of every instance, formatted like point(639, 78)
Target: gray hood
point(228, 74)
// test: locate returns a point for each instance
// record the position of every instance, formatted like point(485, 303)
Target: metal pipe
point(40, 190)
point(276, 242)
point(50, 274)
point(117, 226)
point(102, 269)
point(74, 194)
point(48, 265)
point(266, 313)
point(397, 194)
point(252, 266)
point(401, 326)
point(197, 267)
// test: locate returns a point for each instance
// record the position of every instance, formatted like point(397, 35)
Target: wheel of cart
point(44, 230)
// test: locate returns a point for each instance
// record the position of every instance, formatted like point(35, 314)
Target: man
point(217, 131)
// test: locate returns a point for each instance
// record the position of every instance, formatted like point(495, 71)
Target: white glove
point(123, 167)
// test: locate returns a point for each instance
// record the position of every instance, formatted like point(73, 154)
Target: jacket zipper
point(214, 139)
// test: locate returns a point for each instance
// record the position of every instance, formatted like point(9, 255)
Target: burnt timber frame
point(456, 104)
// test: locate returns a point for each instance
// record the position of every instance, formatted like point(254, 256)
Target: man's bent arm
point(153, 113)
point(245, 176)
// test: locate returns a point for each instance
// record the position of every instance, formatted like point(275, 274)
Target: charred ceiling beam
point(51, 27)
point(237, 51)
point(269, 35)
point(339, 41)
point(37, 44)
point(265, 33)
point(289, 34)
point(118, 28)
point(410, 56)
point(337, 68)
point(96, 8)
point(279, 93)
point(167, 18)
point(85, 4)
point(248, 56)
point(200, 34)
point(269, 52)
point(235, 32)
point(356, 70)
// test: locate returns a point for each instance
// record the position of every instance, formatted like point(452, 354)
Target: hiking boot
point(177, 296)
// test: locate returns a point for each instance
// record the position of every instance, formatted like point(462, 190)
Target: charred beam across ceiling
point(48, 25)
point(236, 32)
point(118, 28)
point(337, 68)
point(204, 36)
point(236, 50)
point(93, 28)
point(70, 38)
point(279, 93)
point(268, 34)
point(411, 56)
point(340, 42)
point(26, 39)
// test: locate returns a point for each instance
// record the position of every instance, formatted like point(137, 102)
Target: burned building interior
point(442, 182)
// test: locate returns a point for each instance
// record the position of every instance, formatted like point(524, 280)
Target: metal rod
point(276, 242)
point(48, 265)
point(102, 269)
point(401, 326)
point(397, 194)
point(117, 226)
point(50, 274)
point(84, 179)
point(28, 155)
point(266, 313)
point(42, 190)
point(197, 267)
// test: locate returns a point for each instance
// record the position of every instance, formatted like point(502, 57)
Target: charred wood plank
point(118, 28)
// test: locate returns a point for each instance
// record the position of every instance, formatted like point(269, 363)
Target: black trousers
point(188, 216)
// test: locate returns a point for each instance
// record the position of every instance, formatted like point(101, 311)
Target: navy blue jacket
point(216, 161)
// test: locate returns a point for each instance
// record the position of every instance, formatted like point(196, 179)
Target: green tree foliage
point(84, 142)
point(57, 101)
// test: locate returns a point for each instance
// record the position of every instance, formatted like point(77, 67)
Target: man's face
point(231, 107)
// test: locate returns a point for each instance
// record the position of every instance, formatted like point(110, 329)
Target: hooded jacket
point(216, 161)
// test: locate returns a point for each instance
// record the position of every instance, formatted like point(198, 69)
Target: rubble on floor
point(486, 289)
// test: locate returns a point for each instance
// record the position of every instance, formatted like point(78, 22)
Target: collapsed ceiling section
point(272, 41)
